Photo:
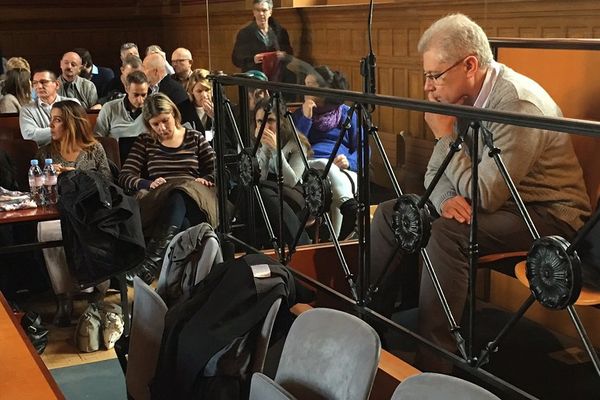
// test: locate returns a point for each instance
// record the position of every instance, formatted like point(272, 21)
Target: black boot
point(155, 251)
point(349, 209)
point(64, 310)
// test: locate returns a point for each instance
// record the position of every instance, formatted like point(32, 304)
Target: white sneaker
point(112, 329)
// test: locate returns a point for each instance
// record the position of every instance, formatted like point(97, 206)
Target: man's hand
point(441, 125)
point(308, 106)
point(157, 182)
point(341, 161)
point(458, 208)
point(205, 182)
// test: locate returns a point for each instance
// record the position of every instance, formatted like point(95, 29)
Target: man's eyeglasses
point(43, 82)
point(434, 77)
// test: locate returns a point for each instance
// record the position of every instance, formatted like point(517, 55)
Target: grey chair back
point(432, 386)
point(264, 388)
point(329, 354)
point(147, 327)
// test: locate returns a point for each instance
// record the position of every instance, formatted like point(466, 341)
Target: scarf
point(326, 118)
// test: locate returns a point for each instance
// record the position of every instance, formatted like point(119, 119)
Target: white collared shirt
point(488, 85)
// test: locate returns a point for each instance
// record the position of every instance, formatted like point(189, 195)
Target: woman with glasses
point(171, 169)
point(16, 90)
point(262, 35)
point(73, 146)
point(321, 120)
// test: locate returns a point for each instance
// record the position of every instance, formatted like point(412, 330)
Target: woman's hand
point(59, 168)
point(205, 182)
point(258, 58)
point(268, 139)
point(207, 106)
point(308, 106)
point(157, 182)
point(342, 162)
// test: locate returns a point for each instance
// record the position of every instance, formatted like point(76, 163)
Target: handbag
point(37, 333)
point(100, 324)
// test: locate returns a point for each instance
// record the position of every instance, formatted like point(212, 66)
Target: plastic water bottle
point(50, 182)
point(36, 183)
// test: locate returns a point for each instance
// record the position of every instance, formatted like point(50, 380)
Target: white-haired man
point(459, 69)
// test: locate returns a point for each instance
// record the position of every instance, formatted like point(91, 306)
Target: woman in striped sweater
point(171, 168)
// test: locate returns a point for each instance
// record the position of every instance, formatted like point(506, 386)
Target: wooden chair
point(21, 153)
point(111, 147)
point(9, 127)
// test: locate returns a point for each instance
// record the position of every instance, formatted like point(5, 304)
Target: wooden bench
point(10, 129)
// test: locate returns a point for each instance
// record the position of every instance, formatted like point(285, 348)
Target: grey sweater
point(115, 121)
point(81, 89)
point(541, 163)
point(34, 120)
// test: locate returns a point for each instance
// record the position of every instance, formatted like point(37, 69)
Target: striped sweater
point(149, 159)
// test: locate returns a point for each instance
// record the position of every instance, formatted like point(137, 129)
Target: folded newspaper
point(13, 200)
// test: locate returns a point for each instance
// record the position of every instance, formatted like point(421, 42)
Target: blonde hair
point(200, 76)
point(17, 62)
point(78, 131)
point(157, 104)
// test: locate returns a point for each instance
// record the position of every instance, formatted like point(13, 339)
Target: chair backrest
point(264, 388)
point(9, 127)
point(21, 152)
point(587, 150)
point(111, 148)
point(430, 385)
point(329, 354)
point(264, 337)
point(145, 338)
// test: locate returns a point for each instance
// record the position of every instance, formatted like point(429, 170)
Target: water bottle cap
point(48, 161)
point(34, 162)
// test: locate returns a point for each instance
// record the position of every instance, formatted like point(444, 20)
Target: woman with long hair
point(292, 170)
point(171, 169)
point(321, 120)
point(16, 90)
point(73, 146)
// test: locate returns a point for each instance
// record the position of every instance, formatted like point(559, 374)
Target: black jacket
point(101, 227)
point(173, 90)
point(248, 44)
point(208, 341)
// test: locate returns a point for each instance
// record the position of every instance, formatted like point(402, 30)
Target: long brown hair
point(78, 131)
point(17, 83)
point(286, 128)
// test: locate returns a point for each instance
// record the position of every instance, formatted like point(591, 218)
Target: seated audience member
point(292, 171)
point(182, 64)
point(200, 92)
point(116, 87)
point(172, 169)
point(155, 69)
point(12, 63)
point(128, 49)
point(156, 49)
point(34, 118)
point(459, 69)
point(100, 76)
point(16, 91)
point(321, 120)
point(74, 86)
point(123, 117)
point(73, 146)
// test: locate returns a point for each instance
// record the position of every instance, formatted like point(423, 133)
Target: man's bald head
point(70, 65)
point(155, 67)
point(181, 59)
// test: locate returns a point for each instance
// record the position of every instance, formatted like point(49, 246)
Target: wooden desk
point(23, 374)
point(29, 215)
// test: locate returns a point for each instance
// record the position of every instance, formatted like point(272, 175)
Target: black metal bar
point(488, 138)
point(364, 201)
point(589, 128)
point(21, 248)
point(530, 43)
point(221, 182)
point(338, 249)
point(270, 231)
point(454, 327)
point(288, 115)
point(473, 244)
point(492, 346)
point(373, 131)
point(278, 116)
point(589, 347)
point(346, 125)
